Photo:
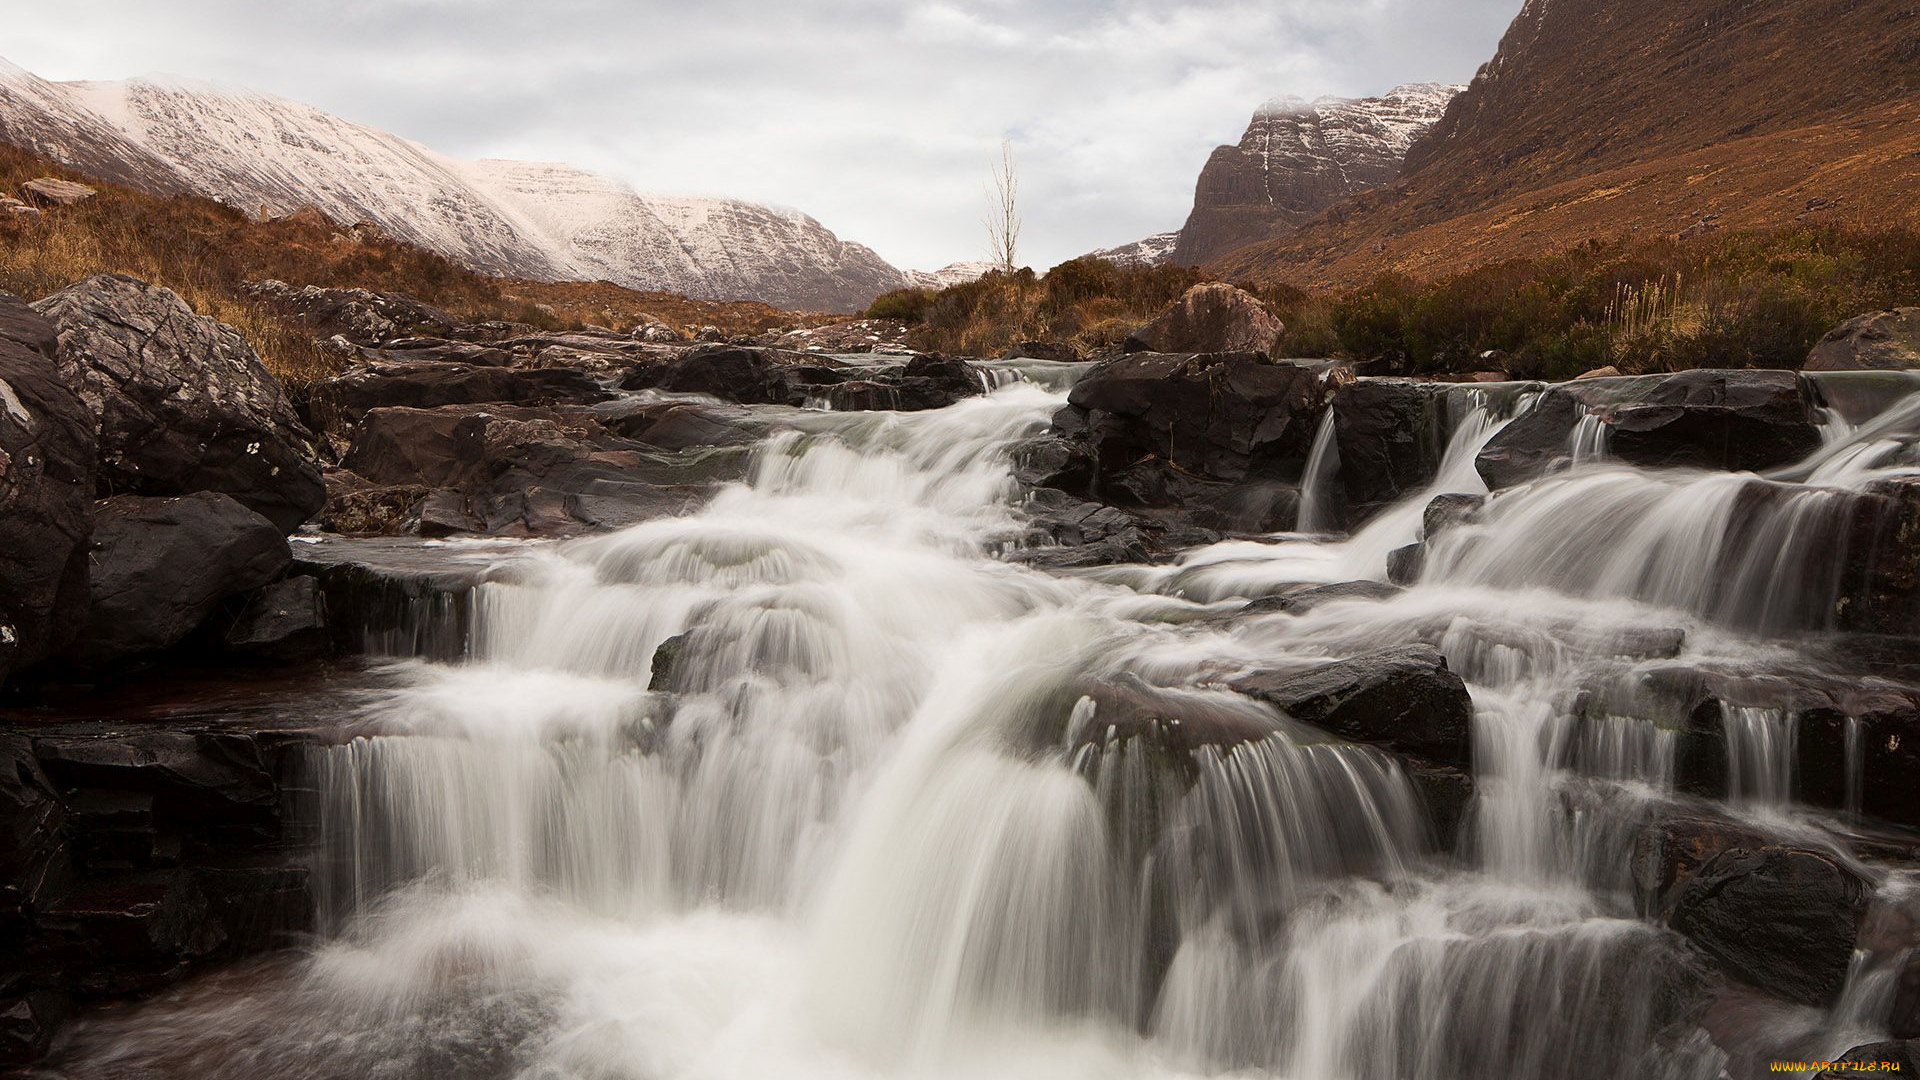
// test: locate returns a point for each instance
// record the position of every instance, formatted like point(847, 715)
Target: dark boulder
point(744, 376)
point(1218, 416)
point(285, 621)
point(1708, 419)
point(1211, 317)
point(516, 471)
point(1403, 698)
point(343, 400)
point(47, 456)
point(1389, 448)
point(1879, 341)
point(1780, 919)
point(181, 402)
point(162, 566)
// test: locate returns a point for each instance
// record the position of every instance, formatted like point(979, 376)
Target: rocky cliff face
point(545, 221)
point(1600, 117)
point(1299, 157)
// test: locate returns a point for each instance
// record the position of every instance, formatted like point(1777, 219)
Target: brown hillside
point(1599, 118)
point(205, 251)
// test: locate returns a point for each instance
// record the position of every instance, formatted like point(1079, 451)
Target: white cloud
point(877, 117)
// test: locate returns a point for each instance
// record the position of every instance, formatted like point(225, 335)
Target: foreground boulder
point(1209, 318)
point(1881, 341)
point(1779, 919)
point(1403, 698)
point(1729, 420)
point(46, 494)
point(162, 566)
point(181, 402)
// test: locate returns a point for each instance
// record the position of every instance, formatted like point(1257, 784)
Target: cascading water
point(1323, 467)
point(807, 783)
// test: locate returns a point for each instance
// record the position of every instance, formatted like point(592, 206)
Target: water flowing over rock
point(46, 486)
point(918, 742)
point(181, 402)
point(1734, 420)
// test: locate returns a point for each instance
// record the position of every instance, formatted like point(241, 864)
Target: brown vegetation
point(1720, 299)
point(205, 251)
point(1644, 118)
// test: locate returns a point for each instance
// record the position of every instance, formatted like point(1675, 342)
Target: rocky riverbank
point(207, 563)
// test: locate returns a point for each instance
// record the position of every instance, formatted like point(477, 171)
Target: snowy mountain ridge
point(268, 155)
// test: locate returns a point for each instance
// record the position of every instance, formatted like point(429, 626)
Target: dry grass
point(205, 251)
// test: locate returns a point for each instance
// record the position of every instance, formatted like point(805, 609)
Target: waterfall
point(809, 783)
point(1323, 467)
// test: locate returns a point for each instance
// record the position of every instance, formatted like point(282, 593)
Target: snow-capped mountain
point(951, 274)
point(1299, 157)
point(269, 155)
point(1150, 251)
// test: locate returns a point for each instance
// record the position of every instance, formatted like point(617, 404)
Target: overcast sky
point(879, 117)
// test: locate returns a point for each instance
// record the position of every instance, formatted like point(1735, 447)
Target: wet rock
point(1384, 430)
point(744, 376)
point(360, 316)
point(285, 621)
point(530, 471)
point(1729, 420)
point(1406, 564)
point(1210, 318)
point(1447, 511)
point(394, 597)
point(443, 350)
point(1879, 341)
point(1534, 444)
point(1447, 793)
point(47, 455)
point(181, 402)
point(1303, 600)
point(1403, 698)
point(683, 425)
point(162, 566)
point(356, 505)
point(1218, 416)
point(665, 657)
point(1128, 707)
point(1669, 852)
point(345, 399)
point(1780, 919)
point(1073, 532)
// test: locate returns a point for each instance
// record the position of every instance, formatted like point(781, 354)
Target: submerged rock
point(181, 402)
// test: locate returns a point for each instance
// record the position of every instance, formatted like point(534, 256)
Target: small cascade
point(1588, 443)
point(1323, 468)
point(1760, 756)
